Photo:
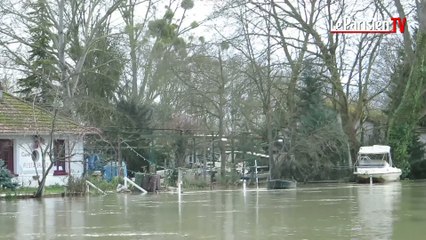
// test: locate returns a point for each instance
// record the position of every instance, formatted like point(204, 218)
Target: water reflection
point(376, 206)
point(310, 212)
point(48, 217)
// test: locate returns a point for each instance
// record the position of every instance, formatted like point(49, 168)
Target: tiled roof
point(20, 117)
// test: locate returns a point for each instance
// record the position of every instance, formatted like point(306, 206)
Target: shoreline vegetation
point(109, 188)
point(77, 187)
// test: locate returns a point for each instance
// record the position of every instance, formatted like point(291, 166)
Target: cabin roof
point(375, 149)
point(18, 117)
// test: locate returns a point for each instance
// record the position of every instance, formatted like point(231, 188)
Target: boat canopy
point(375, 149)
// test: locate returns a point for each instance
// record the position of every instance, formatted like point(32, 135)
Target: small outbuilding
point(30, 134)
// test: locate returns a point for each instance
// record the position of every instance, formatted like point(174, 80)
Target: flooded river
point(389, 211)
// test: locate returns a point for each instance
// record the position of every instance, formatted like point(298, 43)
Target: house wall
point(24, 165)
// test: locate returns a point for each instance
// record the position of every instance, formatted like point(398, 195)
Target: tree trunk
point(40, 189)
point(120, 163)
point(233, 170)
point(133, 57)
point(222, 148)
point(222, 103)
point(181, 144)
point(272, 170)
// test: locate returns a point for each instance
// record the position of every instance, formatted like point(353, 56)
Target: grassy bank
point(25, 192)
point(75, 187)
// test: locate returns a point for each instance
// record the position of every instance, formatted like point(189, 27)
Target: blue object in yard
point(111, 170)
point(92, 161)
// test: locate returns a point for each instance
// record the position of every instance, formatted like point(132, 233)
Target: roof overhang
point(29, 131)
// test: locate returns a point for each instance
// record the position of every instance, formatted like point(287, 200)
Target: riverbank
point(61, 191)
point(27, 192)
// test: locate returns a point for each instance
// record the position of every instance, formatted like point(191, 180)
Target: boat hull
point(378, 175)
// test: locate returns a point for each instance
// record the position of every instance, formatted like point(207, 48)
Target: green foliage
point(163, 30)
point(105, 185)
point(169, 14)
point(131, 122)
point(317, 143)
point(417, 159)
point(187, 4)
point(10, 196)
point(224, 45)
point(76, 185)
point(134, 116)
point(230, 179)
point(401, 139)
point(127, 126)
point(195, 184)
point(405, 115)
point(194, 24)
point(38, 83)
point(171, 177)
point(181, 144)
point(397, 86)
point(29, 191)
point(179, 45)
point(6, 177)
point(100, 80)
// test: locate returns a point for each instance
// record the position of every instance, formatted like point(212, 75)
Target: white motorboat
point(375, 163)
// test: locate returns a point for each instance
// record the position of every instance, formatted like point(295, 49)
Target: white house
point(28, 132)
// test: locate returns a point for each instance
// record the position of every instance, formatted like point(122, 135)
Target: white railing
point(89, 184)
point(127, 180)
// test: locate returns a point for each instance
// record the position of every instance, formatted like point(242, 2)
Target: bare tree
point(206, 85)
point(75, 29)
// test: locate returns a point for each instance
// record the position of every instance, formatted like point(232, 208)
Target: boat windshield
point(372, 159)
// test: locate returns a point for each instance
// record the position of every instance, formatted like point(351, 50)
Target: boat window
point(372, 159)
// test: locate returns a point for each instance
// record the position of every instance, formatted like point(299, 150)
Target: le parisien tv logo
point(349, 25)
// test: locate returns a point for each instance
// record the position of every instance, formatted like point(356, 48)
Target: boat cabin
point(374, 156)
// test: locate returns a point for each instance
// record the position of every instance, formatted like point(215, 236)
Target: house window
point(59, 155)
point(6, 153)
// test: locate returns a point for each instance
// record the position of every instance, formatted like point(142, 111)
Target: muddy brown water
point(347, 211)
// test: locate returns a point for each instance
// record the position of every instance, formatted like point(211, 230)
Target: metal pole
point(179, 181)
point(257, 179)
point(194, 153)
point(214, 163)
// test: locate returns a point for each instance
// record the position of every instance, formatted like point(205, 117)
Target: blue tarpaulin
point(111, 170)
point(92, 162)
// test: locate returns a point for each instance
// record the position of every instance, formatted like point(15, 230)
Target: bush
point(230, 179)
point(105, 185)
point(171, 177)
point(6, 177)
point(195, 184)
point(76, 185)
